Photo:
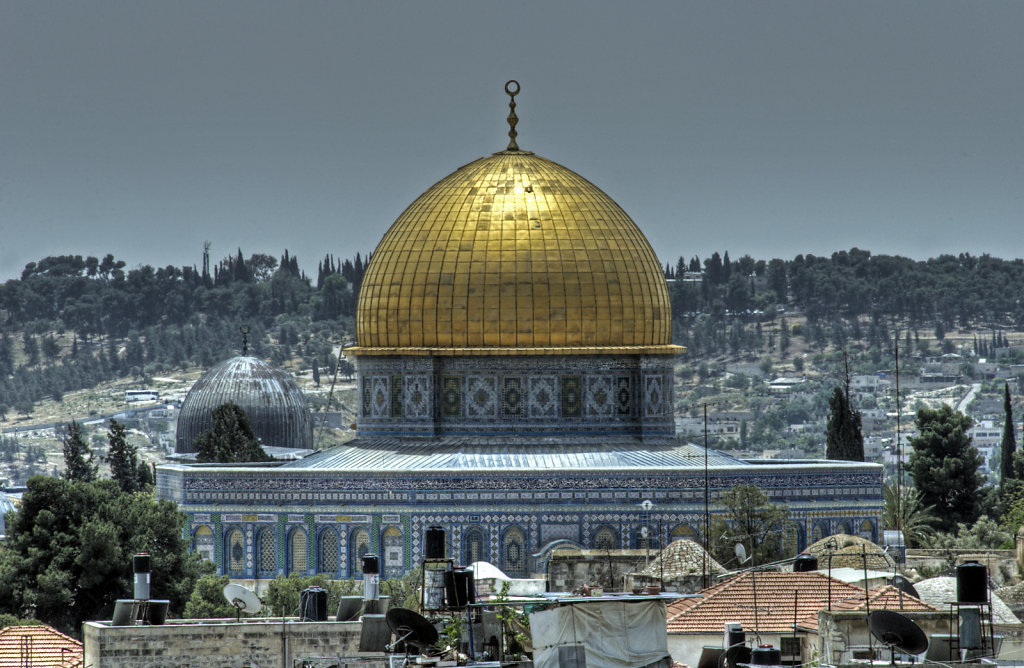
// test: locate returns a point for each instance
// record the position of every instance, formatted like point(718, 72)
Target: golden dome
point(513, 254)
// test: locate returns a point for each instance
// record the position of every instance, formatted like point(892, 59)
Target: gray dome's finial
point(244, 329)
point(512, 118)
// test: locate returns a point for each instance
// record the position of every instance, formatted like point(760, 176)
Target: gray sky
point(770, 128)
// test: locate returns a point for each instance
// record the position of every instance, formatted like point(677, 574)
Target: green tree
point(78, 458)
point(983, 534)
point(122, 457)
point(283, 593)
point(231, 439)
point(903, 510)
point(70, 545)
point(750, 518)
point(843, 437)
point(1009, 444)
point(944, 466)
point(145, 475)
point(207, 599)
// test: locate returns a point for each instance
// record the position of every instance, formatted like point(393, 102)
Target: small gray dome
point(278, 412)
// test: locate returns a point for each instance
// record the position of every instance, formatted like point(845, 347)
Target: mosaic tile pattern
point(396, 396)
point(542, 399)
point(654, 395)
point(520, 394)
point(600, 401)
point(572, 400)
point(512, 397)
point(623, 396)
point(380, 398)
point(451, 396)
point(418, 397)
point(481, 397)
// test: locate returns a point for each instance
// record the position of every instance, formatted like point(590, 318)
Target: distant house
point(783, 609)
point(38, 646)
point(723, 424)
point(131, 396)
point(785, 384)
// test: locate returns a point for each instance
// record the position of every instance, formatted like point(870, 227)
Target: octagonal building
point(515, 363)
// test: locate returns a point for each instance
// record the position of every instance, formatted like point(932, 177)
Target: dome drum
point(274, 404)
point(568, 397)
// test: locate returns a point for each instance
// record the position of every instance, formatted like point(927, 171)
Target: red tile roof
point(782, 600)
point(38, 646)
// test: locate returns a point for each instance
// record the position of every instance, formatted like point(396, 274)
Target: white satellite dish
point(741, 553)
point(244, 600)
point(646, 505)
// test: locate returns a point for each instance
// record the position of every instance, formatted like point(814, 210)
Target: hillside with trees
point(71, 322)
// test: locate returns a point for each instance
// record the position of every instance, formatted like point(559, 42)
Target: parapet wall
point(219, 643)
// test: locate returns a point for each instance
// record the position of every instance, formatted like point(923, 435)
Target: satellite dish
point(646, 504)
point(897, 632)
point(904, 586)
point(411, 627)
point(244, 600)
point(741, 553)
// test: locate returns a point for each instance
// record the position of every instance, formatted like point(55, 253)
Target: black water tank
point(371, 564)
point(804, 563)
point(313, 605)
point(766, 655)
point(971, 583)
point(459, 589)
point(435, 543)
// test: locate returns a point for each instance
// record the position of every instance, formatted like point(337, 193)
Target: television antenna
point(243, 600)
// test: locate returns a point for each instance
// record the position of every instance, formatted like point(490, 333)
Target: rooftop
point(502, 454)
point(38, 646)
point(781, 598)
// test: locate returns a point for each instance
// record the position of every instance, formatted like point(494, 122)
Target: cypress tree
point(1009, 444)
point(78, 458)
point(122, 457)
point(844, 440)
point(231, 439)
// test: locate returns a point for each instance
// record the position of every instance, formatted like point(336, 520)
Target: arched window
point(202, 543)
point(329, 551)
point(513, 553)
point(234, 546)
point(867, 530)
point(646, 538)
point(818, 532)
point(684, 531)
point(843, 527)
point(267, 549)
point(359, 545)
point(606, 538)
point(473, 546)
point(297, 562)
point(391, 546)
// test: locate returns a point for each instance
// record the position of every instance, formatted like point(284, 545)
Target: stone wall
point(841, 632)
point(1001, 564)
point(220, 643)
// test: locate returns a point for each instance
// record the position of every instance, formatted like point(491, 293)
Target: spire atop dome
point(244, 329)
point(512, 118)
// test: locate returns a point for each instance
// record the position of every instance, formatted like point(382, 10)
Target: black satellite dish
point(412, 628)
point(897, 633)
point(904, 586)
